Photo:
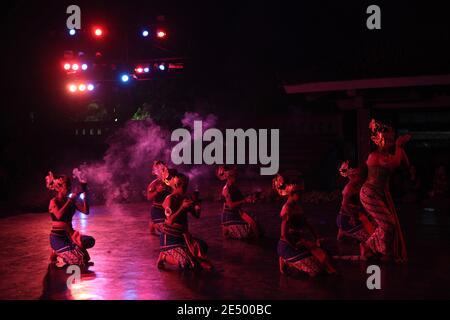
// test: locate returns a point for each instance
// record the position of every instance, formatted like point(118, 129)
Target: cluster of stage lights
point(74, 67)
point(98, 32)
point(161, 34)
point(143, 70)
point(80, 87)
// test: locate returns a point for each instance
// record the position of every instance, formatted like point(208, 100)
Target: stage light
point(66, 66)
point(146, 69)
point(161, 34)
point(72, 88)
point(84, 66)
point(72, 32)
point(75, 67)
point(98, 32)
point(139, 70)
point(145, 33)
point(162, 67)
point(124, 78)
point(82, 196)
point(82, 87)
point(90, 87)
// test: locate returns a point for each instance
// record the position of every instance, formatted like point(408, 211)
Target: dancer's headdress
point(171, 173)
point(224, 171)
point(179, 180)
point(164, 171)
point(286, 184)
point(346, 171)
point(378, 130)
point(56, 184)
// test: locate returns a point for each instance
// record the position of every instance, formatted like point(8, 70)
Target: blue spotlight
point(124, 78)
point(162, 67)
point(84, 66)
point(72, 32)
point(145, 33)
point(90, 87)
point(146, 69)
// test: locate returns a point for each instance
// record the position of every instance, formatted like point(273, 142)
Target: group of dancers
point(367, 215)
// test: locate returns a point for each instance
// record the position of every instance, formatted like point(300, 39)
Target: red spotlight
point(72, 87)
point(82, 87)
point(161, 34)
point(98, 32)
point(139, 69)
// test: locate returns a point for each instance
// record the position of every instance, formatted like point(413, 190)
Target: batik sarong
point(298, 258)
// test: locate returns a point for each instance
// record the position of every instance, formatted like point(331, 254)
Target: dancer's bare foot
point(340, 235)
point(160, 263)
point(386, 258)
point(365, 252)
point(283, 267)
point(331, 270)
point(53, 256)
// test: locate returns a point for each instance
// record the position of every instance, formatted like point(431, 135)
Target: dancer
point(177, 246)
point(351, 220)
point(236, 223)
point(386, 241)
point(69, 246)
point(157, 191)
point(296, 252)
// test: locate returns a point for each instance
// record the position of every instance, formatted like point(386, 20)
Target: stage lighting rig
point(75, 87)
point(161, 34)
point(74, 66)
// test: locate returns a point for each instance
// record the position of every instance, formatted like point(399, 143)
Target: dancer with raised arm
point(386, 242)
point(177, 246)
point(69, 246)
point(236, 223)
point(295, 249)
point(352, 220)
point(157, 191)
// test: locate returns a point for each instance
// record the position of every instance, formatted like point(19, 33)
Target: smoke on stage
point(125, 170)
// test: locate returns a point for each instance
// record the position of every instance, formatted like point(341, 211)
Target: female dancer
point(236, 223)
point(177, 246)
point(351, 220)
point(295, 251)
point(387, 240)
point(69, 246)
point(157, 191)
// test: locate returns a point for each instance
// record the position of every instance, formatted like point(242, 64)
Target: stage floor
point(125, 259)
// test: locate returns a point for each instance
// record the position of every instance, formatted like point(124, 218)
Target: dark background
point(238, 55)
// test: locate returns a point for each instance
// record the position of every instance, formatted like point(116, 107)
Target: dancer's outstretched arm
point(53, 208)
point(171, 216)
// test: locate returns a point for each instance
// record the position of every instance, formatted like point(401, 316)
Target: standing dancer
point(387, 239)
point(157, 191)
point(177, 246)
point(351, 220)
point(69, 246)
point(295, 251)
point(236, 223)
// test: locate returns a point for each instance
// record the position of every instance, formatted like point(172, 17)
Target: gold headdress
point(378, 129)
point(53, 183)
point(160, 169)
point(224, 171)
point(284, 185)
point(346, 171)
